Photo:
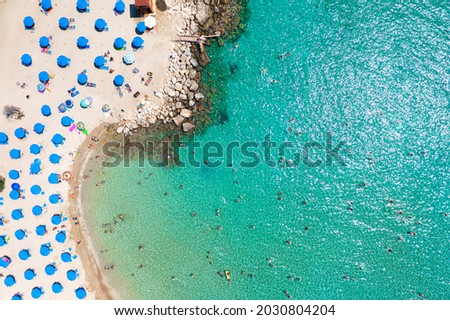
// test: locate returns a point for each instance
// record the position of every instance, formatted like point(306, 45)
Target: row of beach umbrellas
point(57, 139)
point(100, 24)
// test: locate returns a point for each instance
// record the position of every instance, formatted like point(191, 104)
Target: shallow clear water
point(375, 76)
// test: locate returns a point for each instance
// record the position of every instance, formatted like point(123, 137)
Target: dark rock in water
point(220, 42)
point(222, 117)
point(203, 59)
point(233, 67)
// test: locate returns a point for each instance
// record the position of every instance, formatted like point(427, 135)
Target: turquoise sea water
point(375, 75)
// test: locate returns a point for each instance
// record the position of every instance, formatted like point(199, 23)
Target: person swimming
point(284, 55)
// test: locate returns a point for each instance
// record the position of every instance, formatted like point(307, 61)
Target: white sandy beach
point(154, 57)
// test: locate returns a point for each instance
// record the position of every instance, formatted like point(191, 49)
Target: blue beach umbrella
point(66, 121)
point(56, 219)
point(17, 296)
point(24, 254)
point(82, 5)
point(50, 269)
point(129, 58)
point(100, 24)
point(35, 167)
point(44, 77)
point(80, 293)
point(38, 128)
point(14, 174)
point(46, 4)
point(26, 60)
point(69, 104)
point(35, 190)
point(82, 42)
point(63, 23)
point(119, 43)
point(17, 214)
point(20, 133)
point(29, 274)
point(54, 198)
point(54, 158)
point(45, 251)
point(9, 280)
point(44, 42)
point(15, 186)
point(37, 210)
point(57, 139)
point(41, 230)
point(53, 178)
point(119, 7)
point(19, 234)
point(36, 292)
point(61, 237)
point(119, 80)
point(140, 27)
point(28, 22)
point(14, 194)
point(66, 257)
point(99, 61)
point(137, 42)
point(46, 111)
point(63, 61)
point(72, 275)
point(57, 287)
point(35, 148)
point(3, 241)
point(3, 138)
point(14, 154)
point(82, 79)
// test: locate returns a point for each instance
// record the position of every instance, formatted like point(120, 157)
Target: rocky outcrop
point(181, 97)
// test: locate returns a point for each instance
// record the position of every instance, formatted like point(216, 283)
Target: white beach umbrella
point(129, 58)
point(150, 22)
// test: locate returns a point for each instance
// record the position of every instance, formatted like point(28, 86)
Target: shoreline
point(94, 277)
point(98, 282)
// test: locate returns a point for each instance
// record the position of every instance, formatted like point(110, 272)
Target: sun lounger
point(90, 84)
point(72, 27)
point(71, 19)
point(128, 87)
point(119, 90)
point(72, 127)
point(137, 94)
point(149, 80)
point(73, 92)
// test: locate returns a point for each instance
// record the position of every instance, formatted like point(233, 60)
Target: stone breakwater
point(183, 104)
point(181, 95)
